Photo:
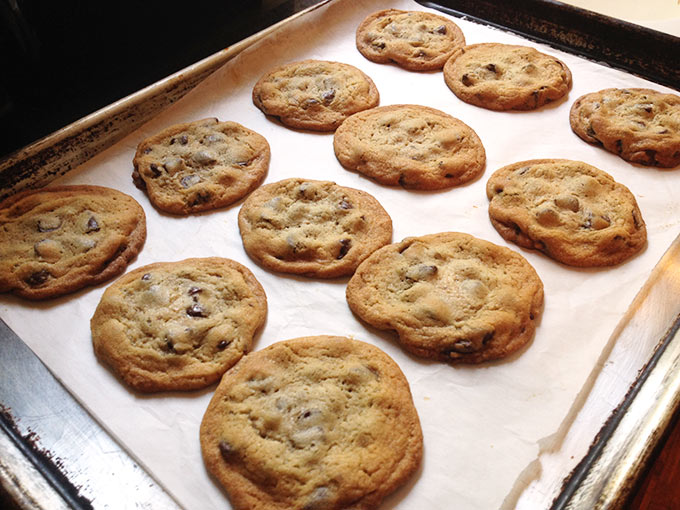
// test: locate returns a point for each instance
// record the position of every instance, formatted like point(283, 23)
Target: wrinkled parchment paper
point(482, 424)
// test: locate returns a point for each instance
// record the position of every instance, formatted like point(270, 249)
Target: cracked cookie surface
point(506, 77)
point(312, 228)
point(571, 211)
point(449, 296)
point(57, 240)
point(310, 423)
point(314, 94)
point(178, 325)
point(201, 165)
point(640, 125)
point(412, 146)
point(414, 40)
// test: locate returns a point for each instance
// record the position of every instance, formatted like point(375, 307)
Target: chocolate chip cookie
point(312, 228)
point(199, 166)
point(57, 240)
point(449, 296)
point(412, 146)
point(640, 125)
point(506, 77)
point(414, 40)
point(178, 325)
point(314, 94)
point(311, 423)
point(569, 210)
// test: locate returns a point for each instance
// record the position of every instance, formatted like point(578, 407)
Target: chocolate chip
point(201, 197)
point(378, 45)
point(651, 156)
point(590, 131)
point(38, 278)
point(92, 225)
point(619, 146)
point(196, 310)
point(487, 338)
point(184, 139)
point(189, 180)
point(463, 346)
point(492, 68)
point(146, 277)
point(48, 224)
point(309, 102)
point(344, 204)
point(147, 150)
point(154, 170)
point(194, 290)
point(441, 29)
point(345, 245)
point(243, 163)
point(223, 345)
point(328, 96)
point(466, 80)
point(226, 450)
point(319, 499)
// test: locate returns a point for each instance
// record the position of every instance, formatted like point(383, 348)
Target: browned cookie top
point(572, 211)
point(310, 423)
point(178, 325)
point(506, 77)
point(313, 228)
point(57, 240)
point(314, 94)
point(414, 40)
point(640, 125)
point(201, 165)
point(410, 145)
point(449, 296)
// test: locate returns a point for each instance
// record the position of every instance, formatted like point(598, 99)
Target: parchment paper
point(482, 425)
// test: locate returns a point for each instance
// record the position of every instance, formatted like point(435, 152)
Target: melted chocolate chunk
point(196, 310)
point(441, 29)
point(92, 225)
point(226, 450)
point(345, 245)
point(328, 96)
point(38, 278)
point(189, 180)
point(344, 204)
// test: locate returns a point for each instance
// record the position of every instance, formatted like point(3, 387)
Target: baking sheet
point(483, 426)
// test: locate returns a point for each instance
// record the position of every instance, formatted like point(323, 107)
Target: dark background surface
point(62, 60)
